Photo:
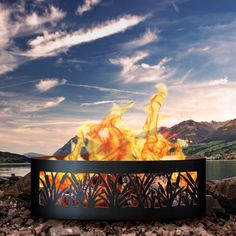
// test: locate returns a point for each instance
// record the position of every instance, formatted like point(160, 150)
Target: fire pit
point(117, 190)
point(115, 173)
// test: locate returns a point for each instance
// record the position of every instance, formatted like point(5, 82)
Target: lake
point(18, 169)
point(220, 169)
point(216, 169)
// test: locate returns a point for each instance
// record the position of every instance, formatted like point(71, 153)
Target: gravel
point(16, 219)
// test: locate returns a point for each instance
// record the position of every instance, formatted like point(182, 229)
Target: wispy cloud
point(87, 6)
point(198, 49)
point(148, 37)
point(52, 15)
point(21, 105)
point(47, 84)
point(103, 89)
point(15, 22)
point(5, 112)
point(204, 101)
point(6, 94)
point(102, 102)
point(136, 72)
point(221, 81)
point(175, 6)
point(50, 44)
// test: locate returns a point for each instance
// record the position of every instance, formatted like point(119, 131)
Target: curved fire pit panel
point(125, 190)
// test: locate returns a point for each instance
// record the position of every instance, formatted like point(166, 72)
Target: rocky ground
point(15, 216)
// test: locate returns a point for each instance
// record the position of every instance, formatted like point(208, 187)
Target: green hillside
point(213, 149)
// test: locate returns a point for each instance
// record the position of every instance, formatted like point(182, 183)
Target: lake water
point(216, 169)
point(17, 169)
point(220, 169)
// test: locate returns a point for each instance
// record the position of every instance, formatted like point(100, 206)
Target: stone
point(1, 193)
point(26, 214)
point(29, 222)
point(213, 206)
point(226, 194)
point(178, 232)
point(17, 221)
point(12, 212)
point(22, 186)
point(25, 233)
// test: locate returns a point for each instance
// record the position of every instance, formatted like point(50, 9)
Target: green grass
point(217, 149)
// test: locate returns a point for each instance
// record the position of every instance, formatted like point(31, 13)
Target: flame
point(111, 140)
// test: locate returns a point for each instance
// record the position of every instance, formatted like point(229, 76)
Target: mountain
point(33, 154)
point(227, 132)
point(190, 130)
point(215, 124)
point(7, 157)
point(66, 149)
point(217, 139)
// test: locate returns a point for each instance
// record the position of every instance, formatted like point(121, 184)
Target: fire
point(111, 140)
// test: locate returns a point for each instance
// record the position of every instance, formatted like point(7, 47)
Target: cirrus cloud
point(47, 84)
point(148, 37)
point(87, 6)
point(50, 44)
point(136, 72)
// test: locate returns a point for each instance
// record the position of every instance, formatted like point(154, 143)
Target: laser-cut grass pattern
point(142, 190)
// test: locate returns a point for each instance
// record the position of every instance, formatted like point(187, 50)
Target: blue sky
point(65, 62)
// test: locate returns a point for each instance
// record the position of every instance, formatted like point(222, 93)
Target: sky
point(66, 62)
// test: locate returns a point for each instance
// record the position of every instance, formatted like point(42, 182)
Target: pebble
point(16, 219)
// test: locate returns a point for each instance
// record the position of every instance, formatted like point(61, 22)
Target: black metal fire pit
point(125, 190)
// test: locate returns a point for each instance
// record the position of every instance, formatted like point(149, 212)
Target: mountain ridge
point(193, 131)
point(8, 157)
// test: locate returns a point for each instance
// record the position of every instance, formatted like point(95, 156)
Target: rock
point(22, 186)
point(213, 206)
point(29, 222)
point(25, 232)
point(225, 192)
point(12, 212)
point(26, 214)
point(178, 232)
point(17, 221)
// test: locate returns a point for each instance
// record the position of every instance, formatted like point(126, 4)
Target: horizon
point(62, 64)
point(66, 141)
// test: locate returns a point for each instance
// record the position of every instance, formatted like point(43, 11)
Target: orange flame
point(111, 140)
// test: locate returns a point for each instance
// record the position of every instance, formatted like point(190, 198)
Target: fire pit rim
point(121, 167)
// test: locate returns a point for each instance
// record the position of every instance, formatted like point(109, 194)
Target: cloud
point(5, 112)
point(50, 44)
point(102, 102)
point(53, 102)
point(136, 72)
point(148, 37)
point(103, 89)
point(54, 14)
point(205, 101)
point(47, 84)
point(30, 105)
point(221, 81)
point(198, 49)
point(87, 6)
point(6, 94)
point(176, 8)
point(16, 22)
